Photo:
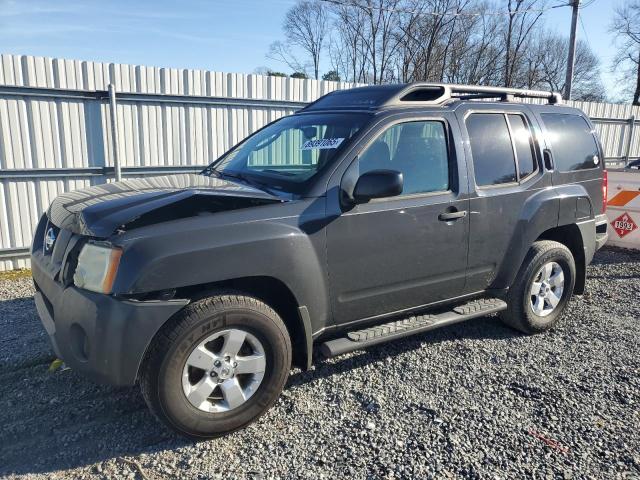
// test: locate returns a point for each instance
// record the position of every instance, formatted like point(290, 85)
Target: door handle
point(448, 216)
point(548, 159)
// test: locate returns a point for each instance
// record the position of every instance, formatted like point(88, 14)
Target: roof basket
point(437, 94)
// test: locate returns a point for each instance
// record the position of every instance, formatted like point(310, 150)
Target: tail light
point(605, 188)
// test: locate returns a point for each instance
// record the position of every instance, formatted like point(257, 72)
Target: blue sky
point(594, 29)
point(222, 35)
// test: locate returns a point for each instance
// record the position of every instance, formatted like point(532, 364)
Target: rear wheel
point(542, 289)
point(217, 366)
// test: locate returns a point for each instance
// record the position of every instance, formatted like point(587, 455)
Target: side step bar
point(386, 332)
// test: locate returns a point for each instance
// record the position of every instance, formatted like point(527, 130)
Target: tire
point(176, 391)
point(524, 311)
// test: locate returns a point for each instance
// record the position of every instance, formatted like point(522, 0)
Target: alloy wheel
point(223, 371)
point(547, 288)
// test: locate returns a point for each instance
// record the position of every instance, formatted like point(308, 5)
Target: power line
point(586, 4)
point(443, 14)
point(585, 32)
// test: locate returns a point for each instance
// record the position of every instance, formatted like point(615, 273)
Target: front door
point(398, 253)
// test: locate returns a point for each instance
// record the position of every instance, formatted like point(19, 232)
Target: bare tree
point(521, 20)
point(380, 38)
point(369, 29)
point(447, 45)
point(477, 50)
point(488, 42)
point(626, 27)
point(409, 49)
point(428, 38)
point(546, 64)
point(347, 49)
point(282, 52)
point(436, 40)
point(305, 26)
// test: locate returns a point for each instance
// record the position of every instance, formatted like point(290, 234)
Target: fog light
point(79, 342)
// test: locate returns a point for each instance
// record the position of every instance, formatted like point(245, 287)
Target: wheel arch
point(571, 237)
point(274, 293)
point(550, 214)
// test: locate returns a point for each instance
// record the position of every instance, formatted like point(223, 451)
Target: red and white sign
point(624, 225)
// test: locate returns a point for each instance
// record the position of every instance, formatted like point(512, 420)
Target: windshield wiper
point(249, 181)
point(244, 178)
point(230, 175)
point(278, 172)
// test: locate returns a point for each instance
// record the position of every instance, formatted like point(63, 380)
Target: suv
point(370, 215)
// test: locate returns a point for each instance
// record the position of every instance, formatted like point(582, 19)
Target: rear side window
point(572, 141)
point(491, 148)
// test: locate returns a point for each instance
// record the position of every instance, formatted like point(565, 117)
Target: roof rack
point(439, 93)
point(420, 94)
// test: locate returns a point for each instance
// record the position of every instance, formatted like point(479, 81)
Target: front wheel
point(217, 366)
point(542, 289)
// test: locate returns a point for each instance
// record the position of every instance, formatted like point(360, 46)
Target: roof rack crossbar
point(478, 96)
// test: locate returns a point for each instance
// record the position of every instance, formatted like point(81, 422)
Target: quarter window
point(416, 149)
point(573, 143)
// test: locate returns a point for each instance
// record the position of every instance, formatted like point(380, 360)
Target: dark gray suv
point(370, 215)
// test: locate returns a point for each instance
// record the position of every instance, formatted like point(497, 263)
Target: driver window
point(416, 149)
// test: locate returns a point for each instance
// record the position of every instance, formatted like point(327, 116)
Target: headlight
point(97, 267)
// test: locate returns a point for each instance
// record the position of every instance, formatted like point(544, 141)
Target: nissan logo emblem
point(49, 239)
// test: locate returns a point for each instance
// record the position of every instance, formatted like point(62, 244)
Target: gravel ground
point(472, 400)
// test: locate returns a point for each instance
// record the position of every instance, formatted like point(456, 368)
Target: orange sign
point(622, 198)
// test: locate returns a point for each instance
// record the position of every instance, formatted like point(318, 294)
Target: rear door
point(397, 253)
point(576, 156)
point(505, 168)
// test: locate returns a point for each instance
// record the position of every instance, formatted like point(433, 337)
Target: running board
point(359, 339)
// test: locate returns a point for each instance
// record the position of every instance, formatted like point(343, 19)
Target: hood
point(102, 210)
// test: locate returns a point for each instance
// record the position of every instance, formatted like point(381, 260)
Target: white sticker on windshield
point(322, 144)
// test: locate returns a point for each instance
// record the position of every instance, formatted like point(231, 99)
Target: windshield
point(288, 153)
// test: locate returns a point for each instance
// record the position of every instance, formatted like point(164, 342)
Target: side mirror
point(378, 184)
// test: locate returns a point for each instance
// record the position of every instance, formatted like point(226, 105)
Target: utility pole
point(572, 50)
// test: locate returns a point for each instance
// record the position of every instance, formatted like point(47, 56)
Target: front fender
point(198, 251)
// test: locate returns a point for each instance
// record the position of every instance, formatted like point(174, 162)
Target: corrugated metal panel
point(49, 132)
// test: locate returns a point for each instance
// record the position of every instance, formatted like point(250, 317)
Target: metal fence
point(63, 128)
point(57, 128)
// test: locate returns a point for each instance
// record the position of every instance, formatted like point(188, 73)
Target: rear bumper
point(100, 336)
point(601, 230)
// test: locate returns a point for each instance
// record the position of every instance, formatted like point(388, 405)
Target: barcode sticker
point(322, 144)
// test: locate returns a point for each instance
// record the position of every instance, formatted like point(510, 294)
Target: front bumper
point(101, 336)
